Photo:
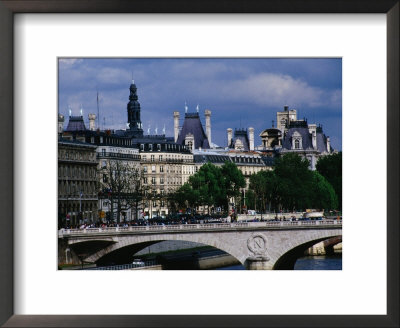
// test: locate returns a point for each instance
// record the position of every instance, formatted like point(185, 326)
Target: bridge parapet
point(202, 227)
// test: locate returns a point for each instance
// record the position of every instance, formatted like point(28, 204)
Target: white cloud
point(70, 61)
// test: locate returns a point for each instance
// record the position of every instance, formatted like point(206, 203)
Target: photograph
point(199, 163)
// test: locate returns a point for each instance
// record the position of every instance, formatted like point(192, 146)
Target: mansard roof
point(192, 124)
point(306, 138)
point(211, 158)
point(76, 123)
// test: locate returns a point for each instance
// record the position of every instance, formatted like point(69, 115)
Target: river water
point(328, 262)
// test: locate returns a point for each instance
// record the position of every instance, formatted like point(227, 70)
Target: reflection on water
point(331, 262)
point(233, 267)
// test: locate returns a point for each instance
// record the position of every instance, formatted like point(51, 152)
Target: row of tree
point(290, 186)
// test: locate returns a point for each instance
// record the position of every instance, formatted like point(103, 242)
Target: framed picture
point(245, 307)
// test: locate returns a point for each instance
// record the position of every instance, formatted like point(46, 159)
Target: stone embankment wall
point(66, 255)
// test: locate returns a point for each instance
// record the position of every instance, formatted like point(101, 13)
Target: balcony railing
point(118, 155)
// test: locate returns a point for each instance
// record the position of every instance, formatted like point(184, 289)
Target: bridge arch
point(129, 245)
point(288, 258)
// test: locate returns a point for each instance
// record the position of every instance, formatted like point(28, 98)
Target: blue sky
point(240, 92)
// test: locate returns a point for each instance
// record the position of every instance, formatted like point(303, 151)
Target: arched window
point(297, 144)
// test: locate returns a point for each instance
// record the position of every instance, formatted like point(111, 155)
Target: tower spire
point(133, 108)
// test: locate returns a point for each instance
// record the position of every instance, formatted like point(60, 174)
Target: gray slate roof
point(192, 124)
point(215, 159)
point(306, 139)
point(242, 136)
point(76, 123)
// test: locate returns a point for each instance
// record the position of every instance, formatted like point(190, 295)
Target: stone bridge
point(257, 245)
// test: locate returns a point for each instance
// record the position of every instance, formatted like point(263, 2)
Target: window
point(103, 164)
point(153, 180)
point(144, 180)
point(152, 158)
point(161, 180)
point(154, 203)
point(158, 147)
point(297, 144)
point(105, 178)
point(101, 139)
point(161, 168)
point(142, 148)
point(162, 203)
point(145, 169)
point(151, 147)
point(153, 168)
point(160, 158)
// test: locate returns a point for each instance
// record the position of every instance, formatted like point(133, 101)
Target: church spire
point(133, 107)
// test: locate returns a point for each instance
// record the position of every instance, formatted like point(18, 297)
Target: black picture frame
point(7, 10)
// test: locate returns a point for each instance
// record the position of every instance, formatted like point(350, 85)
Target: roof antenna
point(197, 108)
point(186, 107)
point(69, 110)
point(98, 110)
point(81, 110)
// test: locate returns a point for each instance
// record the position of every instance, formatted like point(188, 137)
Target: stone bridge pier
point(260, 248)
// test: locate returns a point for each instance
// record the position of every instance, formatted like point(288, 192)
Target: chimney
point(60, 123)
point(176, 125)
point(314, 139)
point(208, 125)
point(328, 144)
point(285, 108)
point(229, 131)
point(92, 119)
point(251, 138)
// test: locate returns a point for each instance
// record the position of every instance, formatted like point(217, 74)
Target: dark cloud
point(239, 92)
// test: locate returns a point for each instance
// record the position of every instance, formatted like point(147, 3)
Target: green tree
point(209, 185)
point(330, 167)
point(233, 181)
point(293, 183)
point(323, 195)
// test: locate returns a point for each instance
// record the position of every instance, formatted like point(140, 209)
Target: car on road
point(138, 262)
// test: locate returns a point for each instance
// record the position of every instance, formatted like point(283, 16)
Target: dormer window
point(297, 140)
point(297, 144)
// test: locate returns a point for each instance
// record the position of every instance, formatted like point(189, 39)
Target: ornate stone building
point(242, 140)
point(77, 182)
point(293, 135)
point(166, 167)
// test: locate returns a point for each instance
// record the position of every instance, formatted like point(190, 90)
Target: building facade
point(165, 168)
point(77, 183)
